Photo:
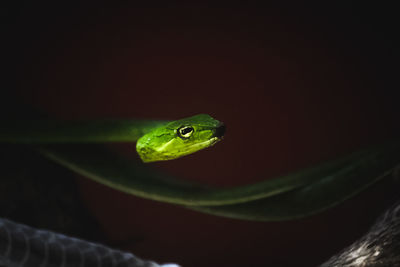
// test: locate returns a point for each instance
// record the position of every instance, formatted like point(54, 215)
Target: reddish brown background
point(294, 86)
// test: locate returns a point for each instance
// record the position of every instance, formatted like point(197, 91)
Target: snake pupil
point(185, 132)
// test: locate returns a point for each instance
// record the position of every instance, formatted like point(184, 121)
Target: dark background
point(295, 85)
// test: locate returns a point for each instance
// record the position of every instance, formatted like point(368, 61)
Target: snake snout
point(220, 130)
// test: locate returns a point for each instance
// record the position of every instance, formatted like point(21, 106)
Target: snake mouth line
point(210, 142)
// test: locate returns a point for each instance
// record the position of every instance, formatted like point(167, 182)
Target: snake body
point(24, 246)
point(287, 197)
point(156, 140)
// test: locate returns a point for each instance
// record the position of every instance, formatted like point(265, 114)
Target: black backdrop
point(294, 84)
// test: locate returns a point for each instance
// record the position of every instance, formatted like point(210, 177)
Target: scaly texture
point(23, 246)
point(380, 247)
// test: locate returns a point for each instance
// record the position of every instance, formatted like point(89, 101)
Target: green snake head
point(180, 138)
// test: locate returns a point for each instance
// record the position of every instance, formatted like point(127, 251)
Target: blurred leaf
point(319, 195)
point(326, 184)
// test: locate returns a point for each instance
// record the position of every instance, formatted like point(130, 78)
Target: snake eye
point(185, 132)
